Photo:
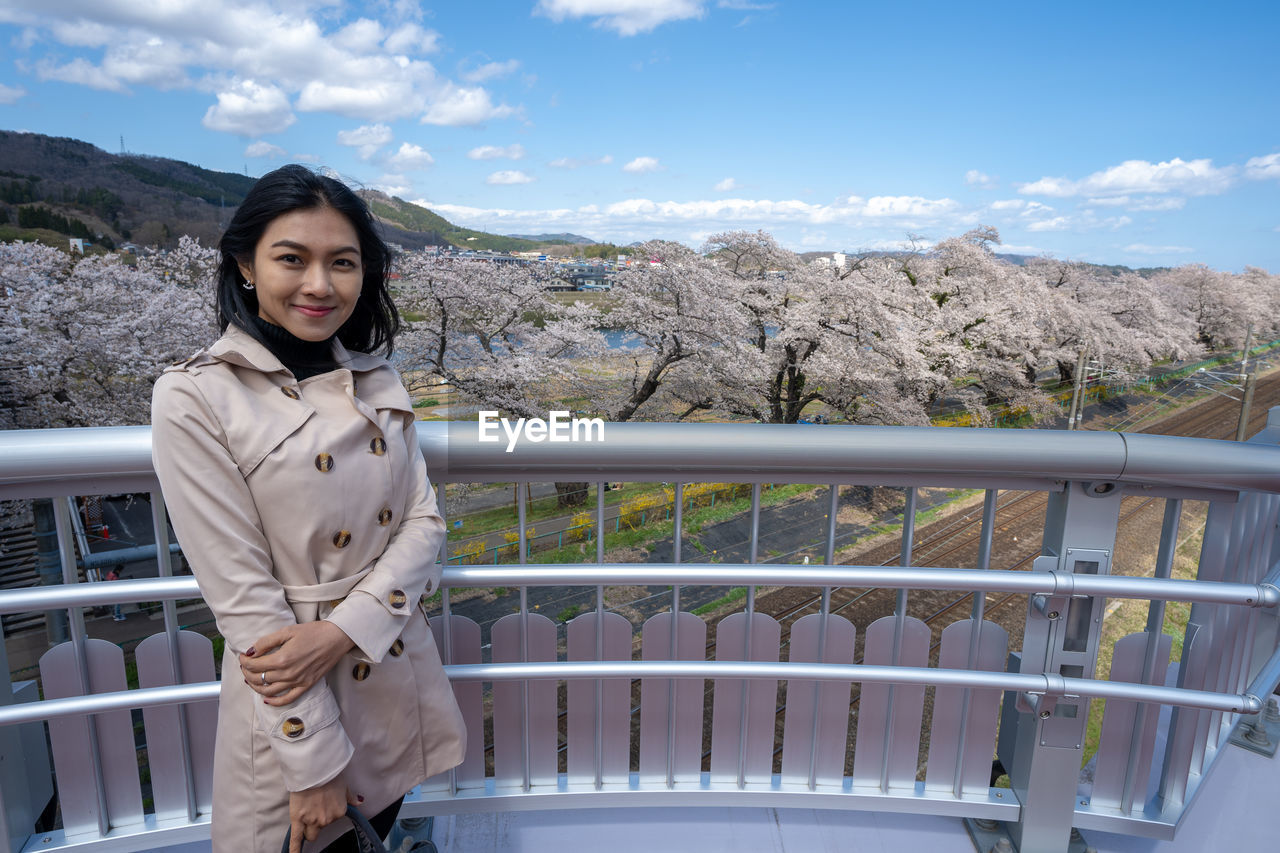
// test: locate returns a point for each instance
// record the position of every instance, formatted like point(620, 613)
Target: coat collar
point(238, 347)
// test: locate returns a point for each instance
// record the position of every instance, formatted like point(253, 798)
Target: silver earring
point(246, 284)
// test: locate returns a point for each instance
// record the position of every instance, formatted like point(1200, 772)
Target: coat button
point(360, 671)
point(324, 462)
point(293, 727)
point(396, 648)
point(336, 602)
point(342, 538)
point(397, 598)
point(384, 517)
point(291, 393)
point(378, 446)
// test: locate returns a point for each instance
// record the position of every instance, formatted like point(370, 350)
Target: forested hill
point(52, 188)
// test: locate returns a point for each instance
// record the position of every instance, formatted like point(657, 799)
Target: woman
point(290, 465)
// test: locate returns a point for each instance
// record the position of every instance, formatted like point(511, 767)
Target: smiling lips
point(315, 311)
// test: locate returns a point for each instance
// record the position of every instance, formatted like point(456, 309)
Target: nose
point(317, 282)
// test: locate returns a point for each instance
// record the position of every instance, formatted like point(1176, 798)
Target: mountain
point(557, 239)
point(53, 187)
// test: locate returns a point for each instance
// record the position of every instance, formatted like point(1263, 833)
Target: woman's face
point(307, 272)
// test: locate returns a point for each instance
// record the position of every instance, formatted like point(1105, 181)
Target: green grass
point(505, 518)
point(736, 594)
point(645, 536)
point(568, 613)
point(1130, 617)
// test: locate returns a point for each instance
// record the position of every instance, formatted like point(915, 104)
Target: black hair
point(374, 324)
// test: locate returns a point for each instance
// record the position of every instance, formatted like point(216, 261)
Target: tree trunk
point(571, 494)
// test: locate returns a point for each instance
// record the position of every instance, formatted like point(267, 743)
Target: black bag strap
point(366, 838)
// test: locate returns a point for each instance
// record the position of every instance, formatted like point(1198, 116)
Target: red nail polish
point(359, 799)
point(251, 652)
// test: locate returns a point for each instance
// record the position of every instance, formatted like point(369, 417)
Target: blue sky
point(1142, 133)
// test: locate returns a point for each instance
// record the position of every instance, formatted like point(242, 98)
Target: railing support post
point(1060, 640)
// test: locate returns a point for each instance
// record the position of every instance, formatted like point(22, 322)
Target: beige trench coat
point(295, 501)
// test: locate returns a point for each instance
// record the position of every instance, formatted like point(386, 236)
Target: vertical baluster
point(446, 632)
point(164, 562)
point(829, 559)
point(900, 612)
point(521, 513)
point(62, 510)
point(599, 750)
point(743, 708)
point(975, 633)
point(677, 527)
point(1155, 627)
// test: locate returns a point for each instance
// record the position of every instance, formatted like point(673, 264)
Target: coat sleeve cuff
point(307, 739)
point(373, 623)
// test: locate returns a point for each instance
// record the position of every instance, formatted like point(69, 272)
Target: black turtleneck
point(303, 358)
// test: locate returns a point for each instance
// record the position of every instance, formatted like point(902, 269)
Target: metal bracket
point(1259, 732)
point(1050, 606)
point(992, 836)
point(1039, 704)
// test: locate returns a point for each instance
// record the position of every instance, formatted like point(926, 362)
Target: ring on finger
point(264, 680)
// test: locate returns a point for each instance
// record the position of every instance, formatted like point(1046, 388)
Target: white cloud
point(578, 163)
point(982, 181)
point(494, 152)
point(491, 70)
point(9, 94)
point(367, 68)
point(410, 157)
point(727, 185)
point(625, 17)
point(1008, 204)
point(250, 109)
point(367, 137)
point(640, 165)
point(458, 105)
point(264, 149)
point(508, 177)
point(412, 39)
point(1057, 223)
point(396, 185)
point(907, 205)
point(1193, 177)
point(1086, 220)
point(1152, 203)
point(79, 72)
point(1261, 168)
point(1144, 249)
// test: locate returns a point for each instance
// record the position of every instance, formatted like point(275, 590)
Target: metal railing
point(632, 731)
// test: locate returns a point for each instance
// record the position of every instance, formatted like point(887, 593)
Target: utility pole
point(1245, 405)
point(1076, 402)
point(1244, 355)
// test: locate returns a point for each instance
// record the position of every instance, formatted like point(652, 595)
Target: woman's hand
point(315, 808)
point(284, 664)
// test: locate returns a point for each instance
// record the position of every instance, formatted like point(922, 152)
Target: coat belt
point(318, 593)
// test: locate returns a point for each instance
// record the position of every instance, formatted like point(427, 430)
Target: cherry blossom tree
point(82, 340)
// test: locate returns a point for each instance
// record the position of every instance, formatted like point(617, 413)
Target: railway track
point(954, 542)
